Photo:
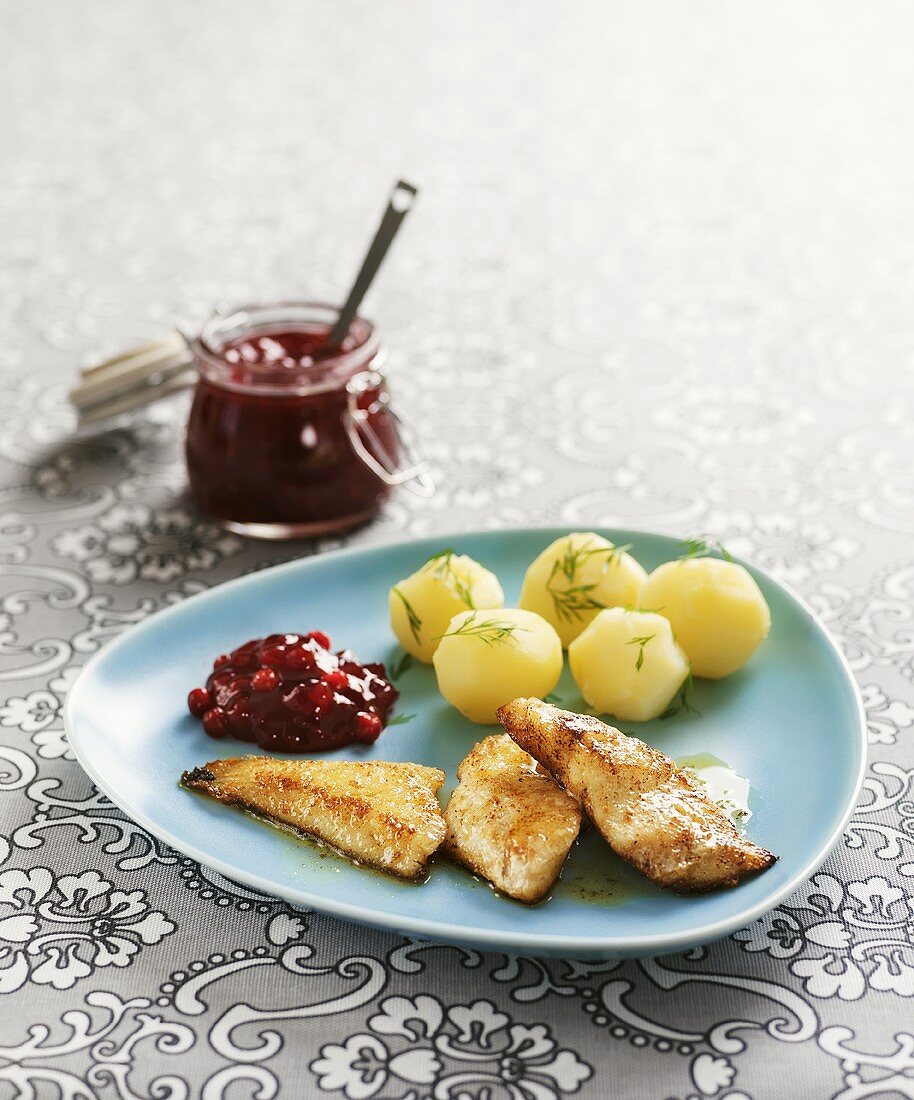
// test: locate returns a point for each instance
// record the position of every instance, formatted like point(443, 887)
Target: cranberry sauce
point(290, 693)
point(276, 355)
point(267, 440)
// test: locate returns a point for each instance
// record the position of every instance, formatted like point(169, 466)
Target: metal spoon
point(401, 202)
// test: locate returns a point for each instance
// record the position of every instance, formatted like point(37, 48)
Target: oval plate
point(791, 721)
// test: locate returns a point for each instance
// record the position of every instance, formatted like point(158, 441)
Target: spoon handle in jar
point(401, 201)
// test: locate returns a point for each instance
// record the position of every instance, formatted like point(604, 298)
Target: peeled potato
point(575, 577)
point(488, 658)
point(716, 609)
point(422, 605)
point(626, 663)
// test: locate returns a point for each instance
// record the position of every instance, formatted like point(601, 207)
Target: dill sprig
point(572, 600)
point(683, 701)
point(415, 623)
point(400, 665)
point(490, 631)
point(571, 603)
point(444, 570)
point(400, 719)
point(640, 643)
point(702, 547)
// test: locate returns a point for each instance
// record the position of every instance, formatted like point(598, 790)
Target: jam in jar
point(288, 436)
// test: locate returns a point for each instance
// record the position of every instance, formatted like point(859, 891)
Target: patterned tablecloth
point(661, 275)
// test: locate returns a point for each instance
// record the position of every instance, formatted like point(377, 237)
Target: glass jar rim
point(331, 373)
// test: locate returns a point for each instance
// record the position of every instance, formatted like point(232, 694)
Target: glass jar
point(287, 437)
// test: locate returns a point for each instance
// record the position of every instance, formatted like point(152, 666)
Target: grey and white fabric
point(661, 275)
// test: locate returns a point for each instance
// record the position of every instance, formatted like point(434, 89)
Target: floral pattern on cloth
point(480, 1044)
point(58, 932)
point(131, 542)
point(842, 939)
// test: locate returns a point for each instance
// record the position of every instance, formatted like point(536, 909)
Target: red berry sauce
point(291, 693)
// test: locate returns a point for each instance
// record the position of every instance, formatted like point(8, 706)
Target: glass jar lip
point(331, 373)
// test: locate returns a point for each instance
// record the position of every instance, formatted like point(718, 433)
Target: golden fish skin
point(508, 821)
point(647, 810)
point(385, 815)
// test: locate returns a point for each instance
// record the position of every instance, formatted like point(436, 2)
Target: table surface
point(661, 275)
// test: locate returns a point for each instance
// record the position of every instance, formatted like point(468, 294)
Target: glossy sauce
point(291, 693)
point(595, 875)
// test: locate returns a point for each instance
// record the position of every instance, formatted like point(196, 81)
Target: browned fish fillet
point(508, 821)
point(379, 813)
point(646, 808)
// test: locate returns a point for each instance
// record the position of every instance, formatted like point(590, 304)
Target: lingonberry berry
point(320, 695)
point(273, 655)
point(299, 660)
point(216, 722)
point(337, 679)
point(265, 679)
point(366, 726)
point(198, 702)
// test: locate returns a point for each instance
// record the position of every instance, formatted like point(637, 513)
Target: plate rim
point(492, 939)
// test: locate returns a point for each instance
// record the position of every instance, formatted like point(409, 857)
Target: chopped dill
point(415, 623)
point(572, 600)
point(702, 547)
point(683, 701)
point(402, 663)
point(400, 719)
point(490, 631)
point(447, 552)
point(640, 643)
point(443, 567)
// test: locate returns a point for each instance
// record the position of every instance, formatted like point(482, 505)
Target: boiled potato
point(626, 663)
point(488, 658)
point(575, 577)
point(422, 605)
point(716, 609)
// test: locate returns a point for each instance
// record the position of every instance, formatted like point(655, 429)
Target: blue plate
point(791, 721)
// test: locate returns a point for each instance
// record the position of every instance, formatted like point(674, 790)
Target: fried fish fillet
point(648, 811)
point(382, 814)
point(508, 821)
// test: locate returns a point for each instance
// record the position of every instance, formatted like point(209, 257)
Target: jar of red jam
point(287, 436)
